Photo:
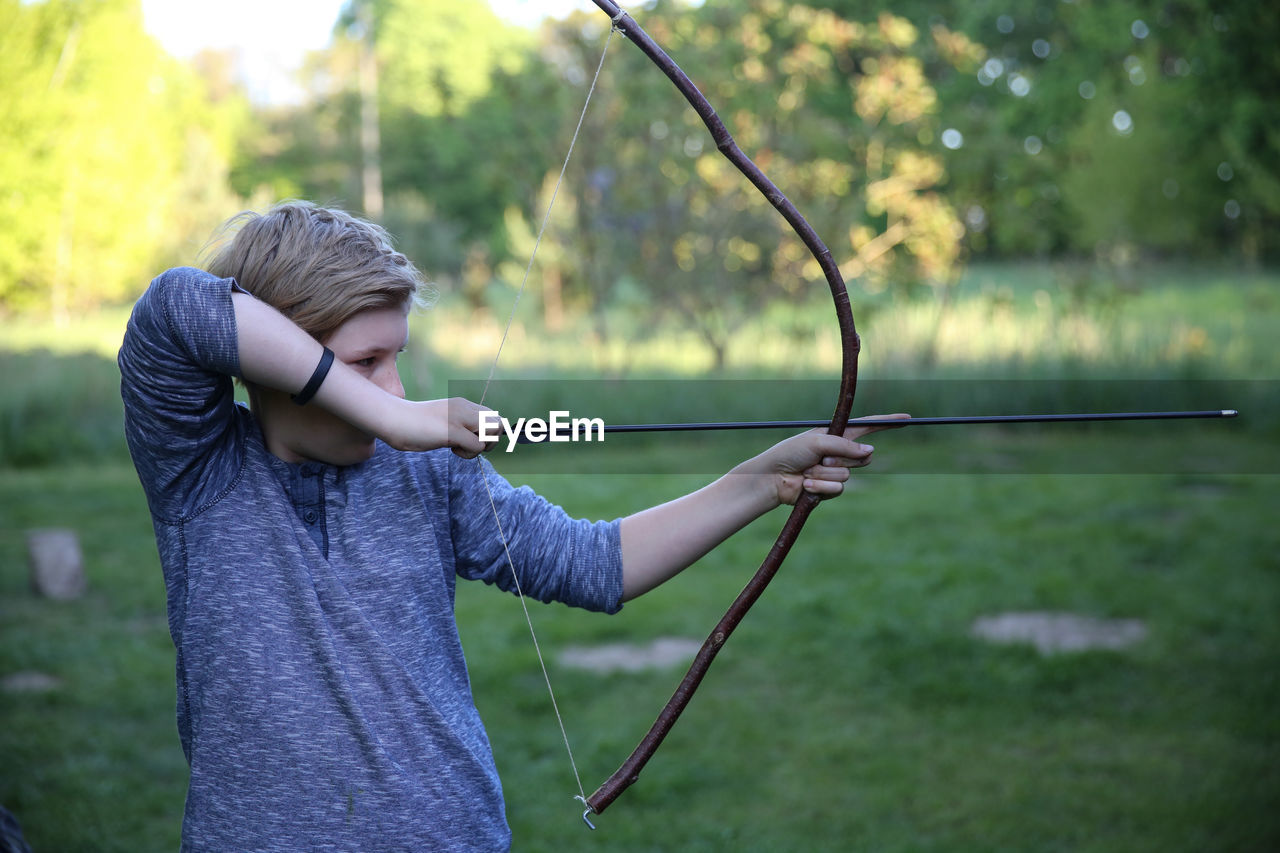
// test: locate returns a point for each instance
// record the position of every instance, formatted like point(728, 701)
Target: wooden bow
point(850, 346)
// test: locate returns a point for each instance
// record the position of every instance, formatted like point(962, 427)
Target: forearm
point(660, 542)
point(274, 353)
point(277, 354)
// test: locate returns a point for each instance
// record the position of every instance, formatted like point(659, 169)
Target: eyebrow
point(369, 352)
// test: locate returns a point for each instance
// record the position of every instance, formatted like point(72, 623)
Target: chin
point(345, 454)
point(356, 454)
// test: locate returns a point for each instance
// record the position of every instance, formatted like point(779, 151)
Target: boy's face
point(369, 343)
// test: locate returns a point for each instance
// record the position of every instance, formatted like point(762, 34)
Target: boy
point(310, 543)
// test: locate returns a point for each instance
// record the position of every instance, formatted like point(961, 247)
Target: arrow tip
point(1229, 413)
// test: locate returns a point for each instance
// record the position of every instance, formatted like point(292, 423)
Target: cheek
point(331, 428)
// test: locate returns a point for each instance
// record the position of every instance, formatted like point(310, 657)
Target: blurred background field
point(1193, 339)
point(1040, 206)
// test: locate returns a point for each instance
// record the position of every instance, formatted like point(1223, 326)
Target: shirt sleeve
point(558, 558)
point(176, 366)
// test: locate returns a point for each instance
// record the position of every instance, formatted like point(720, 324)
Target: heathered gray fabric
point(323, 699)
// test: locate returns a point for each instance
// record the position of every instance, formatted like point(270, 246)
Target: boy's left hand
point(661, 541)
point(815, 461)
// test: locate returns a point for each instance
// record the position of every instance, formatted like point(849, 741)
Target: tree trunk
point(370, 139)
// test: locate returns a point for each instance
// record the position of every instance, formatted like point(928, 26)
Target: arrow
point(904, 422)
point(976, 419)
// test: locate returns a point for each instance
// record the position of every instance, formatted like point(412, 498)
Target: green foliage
point(1094, 126)
point(655, 208)
point(1089, 129)
point(443, 57)
point(112, 159)
point(468, 165)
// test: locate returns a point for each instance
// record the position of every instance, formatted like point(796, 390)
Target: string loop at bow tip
point(586, 812)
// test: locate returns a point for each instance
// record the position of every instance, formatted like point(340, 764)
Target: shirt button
point(310, 516)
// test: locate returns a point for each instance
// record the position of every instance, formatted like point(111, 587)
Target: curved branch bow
point(850, 345)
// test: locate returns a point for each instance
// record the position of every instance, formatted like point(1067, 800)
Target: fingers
point(855, 431)
point(824, 488)
point(826, 479)
point(839, 454)
point(464, 426)
point(465, 443)
point(841, 451)
point(834, 473)
point(858, 456)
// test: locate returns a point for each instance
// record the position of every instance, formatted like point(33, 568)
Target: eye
point(370, 361)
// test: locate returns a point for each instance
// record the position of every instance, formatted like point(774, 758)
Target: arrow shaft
point(943, 421)
point(716, 426)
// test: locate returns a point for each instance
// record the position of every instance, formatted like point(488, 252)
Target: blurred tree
point(311, 149)
point(459, 143)
point(1228, 48)
point(585, 256)
point(113, 159)
point(832, 109)
point(1107, 127)
point(469, 120)
point(1042, 127)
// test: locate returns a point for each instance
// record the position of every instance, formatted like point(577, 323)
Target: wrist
point(753, 490)
point(317, 378)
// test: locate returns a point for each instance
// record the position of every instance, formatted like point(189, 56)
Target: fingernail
point(868, 448)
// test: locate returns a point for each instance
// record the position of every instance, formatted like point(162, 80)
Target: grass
point(852, 710)
point(92, 764)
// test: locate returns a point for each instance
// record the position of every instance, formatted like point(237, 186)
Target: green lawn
point(852, 710)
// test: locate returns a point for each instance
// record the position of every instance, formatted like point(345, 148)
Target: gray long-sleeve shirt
point(323, 699)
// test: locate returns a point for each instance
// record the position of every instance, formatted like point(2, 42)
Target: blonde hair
point(318, 266)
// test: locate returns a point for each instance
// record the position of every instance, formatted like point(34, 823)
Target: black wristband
point(313, 384)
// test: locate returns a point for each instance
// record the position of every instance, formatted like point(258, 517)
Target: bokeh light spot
point(976, 218)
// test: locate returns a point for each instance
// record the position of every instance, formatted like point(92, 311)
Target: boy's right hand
point(452, 423)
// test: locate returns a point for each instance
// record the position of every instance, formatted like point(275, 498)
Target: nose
point(390, 382)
